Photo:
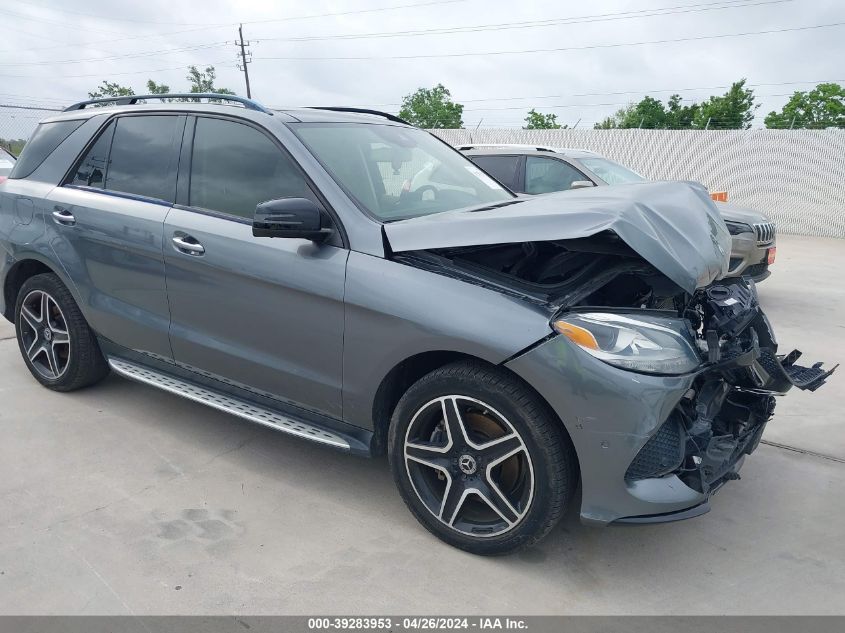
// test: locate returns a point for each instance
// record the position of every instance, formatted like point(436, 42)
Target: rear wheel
point(479, 459)
point(56, 343)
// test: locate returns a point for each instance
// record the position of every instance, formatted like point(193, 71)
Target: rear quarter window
point(47, 137)
point(502, 168)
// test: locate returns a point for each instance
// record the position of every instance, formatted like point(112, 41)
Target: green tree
point(734, 110)
point(615, 120)
point(203, 81)
point(647, 113)
point(821, 107)
point(539, 121)
point(154, 88)
point(680, 117)
point(200, 81)
point(432, 109)
point(107, 89)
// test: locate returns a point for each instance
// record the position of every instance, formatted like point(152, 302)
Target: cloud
point(56, 31)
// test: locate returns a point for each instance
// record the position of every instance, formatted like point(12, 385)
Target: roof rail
point(538, 148)
point(249, 104)
point(386, 115)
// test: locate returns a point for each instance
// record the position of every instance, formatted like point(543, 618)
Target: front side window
point(395, 172)
point(612, 173)
point(142, 159)
point(235, 167)
point(545, 175)
point(503, 168)
point(44, 141)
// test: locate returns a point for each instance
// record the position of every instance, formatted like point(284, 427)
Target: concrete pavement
point(122, 499)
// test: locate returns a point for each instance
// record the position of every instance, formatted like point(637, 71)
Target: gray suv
point(535, 169)
point(282, 266)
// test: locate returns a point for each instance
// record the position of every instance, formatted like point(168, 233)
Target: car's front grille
point(765, 232)
point(662, 454)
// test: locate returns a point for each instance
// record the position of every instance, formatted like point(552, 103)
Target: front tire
point(479, 459)
point(58, 347)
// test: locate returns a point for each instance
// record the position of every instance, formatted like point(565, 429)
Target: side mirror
point(290, 217)
point(581, 184)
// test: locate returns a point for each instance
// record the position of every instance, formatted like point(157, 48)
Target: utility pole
point(246, 58)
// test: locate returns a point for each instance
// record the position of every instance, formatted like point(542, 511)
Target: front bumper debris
point(722, 417)
point(656, 448)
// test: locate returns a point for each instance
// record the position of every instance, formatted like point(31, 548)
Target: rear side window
point(234, 167)
point(47, 137)
point(502, 168)
point(91, 172)
point(142, 158)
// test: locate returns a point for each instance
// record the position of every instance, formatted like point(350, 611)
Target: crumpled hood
point(674, 226)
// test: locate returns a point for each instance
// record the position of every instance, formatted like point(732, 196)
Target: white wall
point(797, 177)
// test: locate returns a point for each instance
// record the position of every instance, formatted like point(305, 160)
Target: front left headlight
point(652, 345)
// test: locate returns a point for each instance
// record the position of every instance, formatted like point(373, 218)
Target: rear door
point(107, 228)
point(263, 313)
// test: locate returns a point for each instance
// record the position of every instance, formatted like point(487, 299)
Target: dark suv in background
point(282, 266)
point(535, 170)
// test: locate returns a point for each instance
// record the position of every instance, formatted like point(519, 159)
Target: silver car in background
point(536, 169)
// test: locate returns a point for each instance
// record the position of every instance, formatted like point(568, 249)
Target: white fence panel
point(797, 177)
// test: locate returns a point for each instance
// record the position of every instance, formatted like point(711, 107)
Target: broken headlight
point(652, 345)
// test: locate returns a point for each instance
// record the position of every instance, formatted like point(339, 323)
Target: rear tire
point(479, 459)
point(56, 343)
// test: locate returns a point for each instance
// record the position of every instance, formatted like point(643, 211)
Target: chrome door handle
point(63, 216)
point(192, 247)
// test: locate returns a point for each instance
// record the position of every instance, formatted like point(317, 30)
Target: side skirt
point(277, 419)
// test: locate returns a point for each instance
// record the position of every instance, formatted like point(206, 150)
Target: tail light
point(719, 196)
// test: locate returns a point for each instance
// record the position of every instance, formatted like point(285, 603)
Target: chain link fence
point(796, 177)
point(17, 122)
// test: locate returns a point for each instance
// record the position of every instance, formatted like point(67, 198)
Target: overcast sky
point(53, 51)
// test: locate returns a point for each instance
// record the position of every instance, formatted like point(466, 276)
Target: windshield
point(612, 173)
point(395, 172)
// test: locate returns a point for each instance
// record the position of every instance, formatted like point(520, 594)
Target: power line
point(555, 50)
point(610, 94)
point(54, 22)
point(130, 72)
point(226, 25)
point(24, 107)
point(604, 17)
point(155, 53)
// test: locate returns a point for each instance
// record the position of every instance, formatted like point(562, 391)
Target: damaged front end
point(664, 372)
point(618, 308)
point(721, 418)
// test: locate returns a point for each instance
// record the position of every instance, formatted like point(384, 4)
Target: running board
point(227, 403)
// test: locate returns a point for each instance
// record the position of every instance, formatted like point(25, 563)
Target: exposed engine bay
point(737, 370)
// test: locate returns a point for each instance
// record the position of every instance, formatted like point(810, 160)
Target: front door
point(263, 313)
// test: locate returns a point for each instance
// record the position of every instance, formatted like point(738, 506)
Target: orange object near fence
point(719, 196)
